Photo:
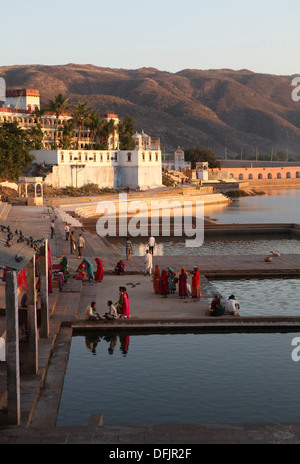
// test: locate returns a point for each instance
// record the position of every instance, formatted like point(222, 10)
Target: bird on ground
point(133, 285)
point(275, 254)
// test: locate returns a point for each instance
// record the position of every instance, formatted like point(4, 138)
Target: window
point(288, 175)
point(269, 176)
point(107, 156)
point(62, 157)
point(278, 175)
point(143, 156)
point(129, 157)
point(156, 156)
point(241, 177)
point(95, 157)
point(150, 156)
point(260, 176)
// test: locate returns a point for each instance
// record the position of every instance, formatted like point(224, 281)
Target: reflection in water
point(91, 342)
point(183, 379)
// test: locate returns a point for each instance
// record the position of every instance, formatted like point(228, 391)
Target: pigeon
point(133, 285)
point(275, 254)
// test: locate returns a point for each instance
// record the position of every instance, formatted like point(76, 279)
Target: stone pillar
point(12, 348)
point(44, 330)
point(31, 366)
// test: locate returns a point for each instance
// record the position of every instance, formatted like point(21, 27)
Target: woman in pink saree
point(125, 311)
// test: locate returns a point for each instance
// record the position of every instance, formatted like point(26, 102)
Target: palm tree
point(105, 130)
point(81, 114)
point(66, 134)
point(57, 106)
point(93, 124)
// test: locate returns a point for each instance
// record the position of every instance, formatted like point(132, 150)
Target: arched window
point(260, 176)
point(297, 174)
point(269, 176)
point(129, 157)
point(250, 177)
point(241, 177)
point(278, 175)
point(288, 175)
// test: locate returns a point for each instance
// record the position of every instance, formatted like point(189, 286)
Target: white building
point(175, 161)
point(136, 169)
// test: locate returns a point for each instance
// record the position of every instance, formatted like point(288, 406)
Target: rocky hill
point(239, 110)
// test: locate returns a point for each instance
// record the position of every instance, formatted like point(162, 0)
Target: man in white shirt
point(90, 312)
point(81, 245)
point(112, 313)
point(148, 263)
point(232, 306)
point(151, 244)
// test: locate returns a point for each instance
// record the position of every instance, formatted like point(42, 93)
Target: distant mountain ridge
point(226, 110)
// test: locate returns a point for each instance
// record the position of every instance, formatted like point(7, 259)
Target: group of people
point(117, 310)
point(220, 307)
point(165, 282)
point(78, 243)
point(86, 271)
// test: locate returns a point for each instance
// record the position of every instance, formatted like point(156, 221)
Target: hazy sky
point(170, 35)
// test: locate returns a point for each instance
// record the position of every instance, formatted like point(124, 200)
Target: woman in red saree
point(196, 292)
point(164, 284)
point(183, 293)
point(156, 280)
point(99, 273)
point(125, 311)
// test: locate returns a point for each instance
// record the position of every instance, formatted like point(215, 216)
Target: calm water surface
point(263, 297)
point(193, 378)
point(278, 206)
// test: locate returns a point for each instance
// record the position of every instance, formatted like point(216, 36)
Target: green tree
point(14, 151)
point(57, 106)
point(126, 130)
point(36, 136)
point(200, 154)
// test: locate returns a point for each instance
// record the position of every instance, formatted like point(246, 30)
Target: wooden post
point(44, 330)
point(12, 348)
point(31, 366)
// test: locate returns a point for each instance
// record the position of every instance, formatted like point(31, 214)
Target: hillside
point(215, 108)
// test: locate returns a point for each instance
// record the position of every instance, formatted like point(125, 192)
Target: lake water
point(279, 206)
point(263, 297)
point(227, 245)
point(184, 378)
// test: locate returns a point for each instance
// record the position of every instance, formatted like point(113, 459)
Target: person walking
point(128, 248)
point(72, 242)
point(52, 227)
point(151, 244)
point(148, 263)
point(80, 245)
point(67, 231)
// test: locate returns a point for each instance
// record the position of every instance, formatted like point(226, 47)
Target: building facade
point(22, 105)
point(136, 169)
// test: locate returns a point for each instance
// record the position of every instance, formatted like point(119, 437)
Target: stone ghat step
point(201, 323)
